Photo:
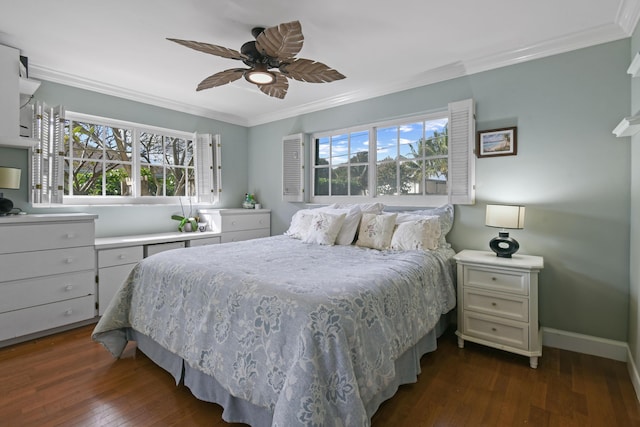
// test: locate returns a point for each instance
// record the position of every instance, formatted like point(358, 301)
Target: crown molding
point(625, 22)
point(627, 16)
point(54, 76)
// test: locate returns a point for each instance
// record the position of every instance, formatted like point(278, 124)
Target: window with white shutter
point(425, 160)
point(82, 159)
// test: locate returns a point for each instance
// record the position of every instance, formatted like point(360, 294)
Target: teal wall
point(570, 172)
point(117, 220)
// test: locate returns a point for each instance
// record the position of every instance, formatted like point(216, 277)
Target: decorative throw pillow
point(324, 228)
point(422, 234)
point(350, 226)
point(375, 208)
point(300, 224)
point(445, 215)
point(376, 230)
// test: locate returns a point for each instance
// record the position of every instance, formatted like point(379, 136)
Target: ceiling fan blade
point(277, 89)
point(221, 78)
point(211, 49)
point(281, 42)
point(310, 71)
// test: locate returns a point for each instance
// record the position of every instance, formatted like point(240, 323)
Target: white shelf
point(628, 126)
point(634, 68)
point(28, 86)
point(17, 142)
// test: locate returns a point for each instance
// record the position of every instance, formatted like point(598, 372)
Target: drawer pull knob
point(494, 279)
point(494, 304)
point(121, 256)
point(70, 235)
point(68, 312)
point(494, 330)
point(68, 288)
point(68, 260)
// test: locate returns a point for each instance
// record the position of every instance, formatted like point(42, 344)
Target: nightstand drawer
point(504, 281)
point(496, 304)
point(496, 330)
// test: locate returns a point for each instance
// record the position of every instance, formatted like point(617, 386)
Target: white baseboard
point(587, 344)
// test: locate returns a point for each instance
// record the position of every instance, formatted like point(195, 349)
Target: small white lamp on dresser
point(498, 292)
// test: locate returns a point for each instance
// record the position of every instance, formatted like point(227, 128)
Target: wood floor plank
point(68, 380)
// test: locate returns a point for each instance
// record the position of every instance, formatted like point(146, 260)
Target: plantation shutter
point(293, 168)
point(208, 167)
point(461, 158)
point(47, 164)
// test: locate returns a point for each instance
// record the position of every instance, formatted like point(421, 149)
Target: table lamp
point(9, 178)
point(504, 217)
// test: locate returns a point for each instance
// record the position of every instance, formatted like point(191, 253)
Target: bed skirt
point(237, 410)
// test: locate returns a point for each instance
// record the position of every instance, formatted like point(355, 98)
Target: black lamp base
point(5, 206)
point(503, 245)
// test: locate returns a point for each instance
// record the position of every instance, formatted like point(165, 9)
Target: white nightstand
point(498, 302)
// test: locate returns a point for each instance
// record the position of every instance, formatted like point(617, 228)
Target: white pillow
point(324, 228)
point(421, 234)
point(300, 223)
point(376, 230)
point(349, 228)
point(375, 208)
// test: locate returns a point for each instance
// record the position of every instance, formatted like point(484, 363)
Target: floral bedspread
point(310, 332)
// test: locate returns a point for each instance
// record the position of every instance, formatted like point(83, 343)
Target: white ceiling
point(119, 47)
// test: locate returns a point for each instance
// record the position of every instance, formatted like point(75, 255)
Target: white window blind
point(208, 167)
point(293, 168)
point(461, 157)
point(47, 170)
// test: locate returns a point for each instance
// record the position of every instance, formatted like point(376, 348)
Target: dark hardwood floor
point(67, 380)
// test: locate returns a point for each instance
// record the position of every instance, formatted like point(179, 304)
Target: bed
point(283, 332)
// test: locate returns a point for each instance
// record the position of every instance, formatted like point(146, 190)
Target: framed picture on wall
point(497, 142)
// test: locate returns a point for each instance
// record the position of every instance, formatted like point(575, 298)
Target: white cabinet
point(114, 265)
point(498, 302)
point(11, 87)
point(118, 255)
point(238, 224)
point(48, 274)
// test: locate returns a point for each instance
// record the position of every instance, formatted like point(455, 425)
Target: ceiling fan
point(271, 58)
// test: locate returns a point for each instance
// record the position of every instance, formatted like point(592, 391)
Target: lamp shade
point(505, 216)
point(10, 178)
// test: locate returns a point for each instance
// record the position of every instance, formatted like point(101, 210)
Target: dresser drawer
point(33, 237)
point(119, 256)
point(204, 241)
point(44, 263)
point(34, 319)
point(504, 280)
point(496, 330)
point(161, 247)
point(43, 290)
point(245, 222)
point(236, 236)
point(496, 304)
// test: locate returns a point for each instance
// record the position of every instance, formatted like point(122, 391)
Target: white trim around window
point(427, 160)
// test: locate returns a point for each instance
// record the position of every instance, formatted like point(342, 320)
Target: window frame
point(465, 132)
point(204, 194)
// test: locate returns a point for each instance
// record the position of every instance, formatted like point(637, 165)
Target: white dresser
point(118, 255)
point(238, 224)
point(498, 302)
point(47, 274)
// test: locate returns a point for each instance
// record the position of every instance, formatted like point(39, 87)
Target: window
point(92, 160)
point(415, 161)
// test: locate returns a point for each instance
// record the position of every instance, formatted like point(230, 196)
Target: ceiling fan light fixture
point(260, 76)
